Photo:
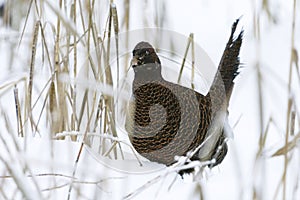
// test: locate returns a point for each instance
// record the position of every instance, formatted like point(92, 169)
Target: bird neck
point(148, 72)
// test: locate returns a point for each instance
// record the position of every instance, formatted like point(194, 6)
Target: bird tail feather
point(230, 62)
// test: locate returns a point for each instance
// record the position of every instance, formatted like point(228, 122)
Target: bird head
point(144, 57)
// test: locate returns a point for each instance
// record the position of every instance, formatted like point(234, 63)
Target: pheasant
point(168, 120)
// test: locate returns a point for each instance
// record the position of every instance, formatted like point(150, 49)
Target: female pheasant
point(169, 120)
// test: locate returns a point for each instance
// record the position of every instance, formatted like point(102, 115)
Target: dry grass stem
point(190, 40)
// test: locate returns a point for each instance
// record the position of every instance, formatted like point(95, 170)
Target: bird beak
point(134, 62)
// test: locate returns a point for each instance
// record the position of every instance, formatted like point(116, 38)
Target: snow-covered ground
point(35, 168)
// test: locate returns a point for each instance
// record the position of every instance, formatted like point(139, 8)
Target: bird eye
point(140, 61)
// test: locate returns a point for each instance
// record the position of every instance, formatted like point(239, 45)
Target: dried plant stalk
point(54, 112)
point(31, 73)
point(190, 40)
point(74, 123)
point(18, 112)
point(193, 62)
point(116, 31)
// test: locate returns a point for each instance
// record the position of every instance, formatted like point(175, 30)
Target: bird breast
point(166, 120)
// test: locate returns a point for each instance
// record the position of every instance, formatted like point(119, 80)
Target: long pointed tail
point(230, 61)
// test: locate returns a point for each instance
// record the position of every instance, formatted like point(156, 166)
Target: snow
point(36, 168)
point(93, 178)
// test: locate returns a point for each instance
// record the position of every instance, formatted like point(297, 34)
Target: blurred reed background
point(57, 54)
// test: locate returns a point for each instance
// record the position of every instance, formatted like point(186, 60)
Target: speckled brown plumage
point(168, 119)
